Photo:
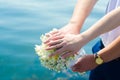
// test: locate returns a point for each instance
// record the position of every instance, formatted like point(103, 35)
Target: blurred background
point(21, 24)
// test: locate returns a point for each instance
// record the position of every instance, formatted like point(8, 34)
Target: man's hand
point(85, 63)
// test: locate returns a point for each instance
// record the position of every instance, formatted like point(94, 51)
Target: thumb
point(74, 66)
point(75, 69)
point(77, 64)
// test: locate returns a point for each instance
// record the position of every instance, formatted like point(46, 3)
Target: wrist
point(85, 37)
point(73, 27)
point(98, 59)
point(73, 22)
point(104, 56)
point(77, 24)
point(82, 40)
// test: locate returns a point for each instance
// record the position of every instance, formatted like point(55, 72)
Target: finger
point(58, 52)
point(55, 46)
point(57, 34)
point(77, 70)
point(51, 43)
point(53, 38)
point(54, 31)
point(77, 64)
point(74, 69)
point(48, 40)
point(76, 53)
point(47, 35)
point(67, 54)
point(50, 35)
point(57, 37)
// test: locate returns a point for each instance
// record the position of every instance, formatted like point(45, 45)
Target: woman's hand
point(68, 45)
point(85, 63)
point(70, 28)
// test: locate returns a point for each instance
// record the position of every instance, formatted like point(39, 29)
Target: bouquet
point(55, 63)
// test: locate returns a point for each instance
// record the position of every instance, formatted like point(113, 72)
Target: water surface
point(21, 24)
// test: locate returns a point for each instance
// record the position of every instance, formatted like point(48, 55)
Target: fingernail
point(47, 35)
point(47, 48)
point(46, 41)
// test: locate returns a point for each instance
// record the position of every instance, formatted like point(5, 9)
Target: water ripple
point(21, 24)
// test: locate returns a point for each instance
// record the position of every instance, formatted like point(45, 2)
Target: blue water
point(21, 24)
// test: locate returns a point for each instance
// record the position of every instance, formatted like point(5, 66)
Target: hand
point(70, 28)
point(85, 63)
point(68, 45)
